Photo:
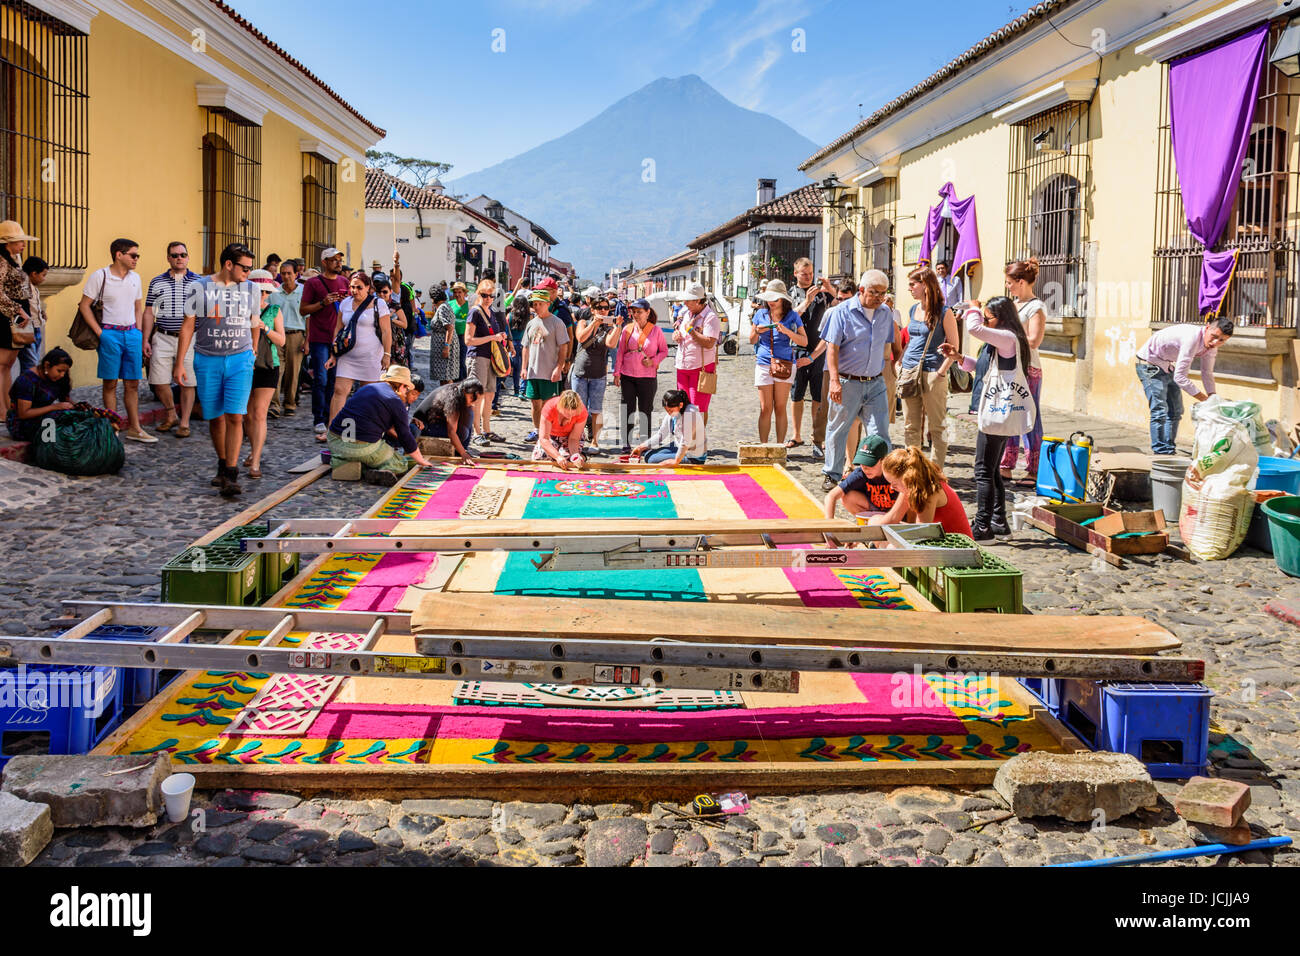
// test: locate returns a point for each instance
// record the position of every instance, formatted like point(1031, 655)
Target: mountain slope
point(587, 188)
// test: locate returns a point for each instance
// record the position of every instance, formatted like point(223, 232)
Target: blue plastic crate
point(57, 708)
point(1166, 726)
point(139, 684)
point(1047, 690)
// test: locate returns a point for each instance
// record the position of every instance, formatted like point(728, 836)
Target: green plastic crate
point(213, 574)
point(996, 586)
point(277, 567)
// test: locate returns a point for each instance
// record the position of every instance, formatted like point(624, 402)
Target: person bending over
point(559, 433)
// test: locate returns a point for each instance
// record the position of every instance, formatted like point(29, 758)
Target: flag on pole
point(393, 194)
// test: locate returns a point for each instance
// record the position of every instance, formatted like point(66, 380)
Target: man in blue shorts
point(219, 311)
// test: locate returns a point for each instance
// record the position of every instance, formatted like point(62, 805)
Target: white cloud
point(767, 18)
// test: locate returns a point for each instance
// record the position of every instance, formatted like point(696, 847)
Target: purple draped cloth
point(1212, 98)
point(963, 221)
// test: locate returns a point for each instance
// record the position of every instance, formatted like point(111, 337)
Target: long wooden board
point(506, 615)
point(606, 527)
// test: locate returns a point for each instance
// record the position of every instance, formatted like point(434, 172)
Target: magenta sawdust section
point(833, 717)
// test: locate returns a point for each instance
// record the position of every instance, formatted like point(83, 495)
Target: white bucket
point(177, 790)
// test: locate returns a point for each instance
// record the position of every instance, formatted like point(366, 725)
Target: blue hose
point(1214, 849)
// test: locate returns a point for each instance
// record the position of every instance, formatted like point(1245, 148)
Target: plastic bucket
point(1278, 474)
point(177, 791)
point(1284, 528)
point(1167, 485)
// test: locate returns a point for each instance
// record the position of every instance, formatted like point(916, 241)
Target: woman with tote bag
point(1006, 406)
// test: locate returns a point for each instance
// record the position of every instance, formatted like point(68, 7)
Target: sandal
point(182, 431)
point(255, 473)
point(793, 444)
point(167, 425)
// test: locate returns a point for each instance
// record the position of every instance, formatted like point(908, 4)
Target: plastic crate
point(995, 586)
point(53, 708)
point(1166, 726)
point(213, 574)
point(139, 684)
point(1047, 690)
point(278, 567)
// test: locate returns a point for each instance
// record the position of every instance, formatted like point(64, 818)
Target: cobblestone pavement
point(108, 537)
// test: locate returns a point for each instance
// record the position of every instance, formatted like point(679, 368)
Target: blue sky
point(411, 66)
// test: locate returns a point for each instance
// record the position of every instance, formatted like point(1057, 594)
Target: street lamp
point(471, 234)
point(1286, 54)
point(831, 190)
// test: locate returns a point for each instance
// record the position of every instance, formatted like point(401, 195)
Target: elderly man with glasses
point(857, 333)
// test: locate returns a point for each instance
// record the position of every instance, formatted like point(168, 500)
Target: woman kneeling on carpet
point(559, 433)
point(924, 495)
point(681, 433)
point(449, 414)
point(372, 412)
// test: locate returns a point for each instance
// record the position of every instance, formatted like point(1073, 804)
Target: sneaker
point(495, 437)
point(319, 428)
point(531, 436)
point(480, 440)
point(999, 530)
point(140, 436)
point(817, 451)
point(378, 476)
point(980, 534)
point(230, 487)
point(828, 483)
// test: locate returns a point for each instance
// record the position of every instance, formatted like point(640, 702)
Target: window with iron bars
point(319, 205)
point(878, 226)
point(1047, 194)
point(232, 185)
point(44, 161)
point(1262, 226)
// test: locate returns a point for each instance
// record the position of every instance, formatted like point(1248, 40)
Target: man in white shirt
point(950, 285)
point(1163, 364)
point(696, 333)
point(121, 335)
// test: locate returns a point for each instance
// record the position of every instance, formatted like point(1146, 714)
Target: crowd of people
point(243, 342)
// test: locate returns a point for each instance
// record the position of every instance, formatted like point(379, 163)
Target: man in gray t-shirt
point(219, 318)
point(544, 339)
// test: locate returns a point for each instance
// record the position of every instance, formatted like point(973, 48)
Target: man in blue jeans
point(1163, 364)
point(320, 298)
point(857, 333)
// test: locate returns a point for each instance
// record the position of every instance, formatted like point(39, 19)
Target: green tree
point(419, 171)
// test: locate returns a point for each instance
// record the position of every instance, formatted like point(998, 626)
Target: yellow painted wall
point(145, 135)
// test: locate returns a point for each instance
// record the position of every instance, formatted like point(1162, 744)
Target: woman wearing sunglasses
point(588, 376)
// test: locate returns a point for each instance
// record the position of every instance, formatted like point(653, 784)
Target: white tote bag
point(1006, 405)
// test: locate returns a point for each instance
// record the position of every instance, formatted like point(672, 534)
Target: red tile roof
point(379, 194)
point(1031, 17)
point(801, 205)
point(266, 41)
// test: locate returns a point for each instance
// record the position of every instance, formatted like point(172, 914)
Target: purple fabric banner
point(963, 221)
point(1216, 276)
point(1212, 98)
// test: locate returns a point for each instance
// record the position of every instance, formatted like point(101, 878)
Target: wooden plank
point(705, 621)
point(261, 507)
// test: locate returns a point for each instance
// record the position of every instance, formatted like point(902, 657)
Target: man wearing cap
point(545, 341)
point(373, 413)
point(219, 320)
point(560, 309)
point(164, 311)
point(865, 489)
point(321, 295)
point(696, 332)
point(857, 334)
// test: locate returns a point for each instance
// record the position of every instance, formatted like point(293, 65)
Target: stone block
point(1214, 801)
point(346, 471)
point(86, 791)
point(756, 454)
point(1237, 835)
point(1073, 786)
point(25, 829)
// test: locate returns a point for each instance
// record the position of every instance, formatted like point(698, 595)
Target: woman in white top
point(681, 433)
point(1021, 276)
point(367, 359)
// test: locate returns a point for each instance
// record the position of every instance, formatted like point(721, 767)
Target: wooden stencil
point(484, 501)
point(501, 693)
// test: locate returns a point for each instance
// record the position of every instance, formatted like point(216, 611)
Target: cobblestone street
point(63, 538)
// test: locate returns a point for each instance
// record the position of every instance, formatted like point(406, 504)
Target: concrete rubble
point(25, 830)
point(1075, 786)
point(86, 791)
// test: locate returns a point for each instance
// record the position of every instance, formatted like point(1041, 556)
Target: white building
point(431, 234)
point(530, 232)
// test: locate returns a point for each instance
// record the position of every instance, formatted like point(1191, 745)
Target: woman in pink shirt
point(1006, 406)
point(639, 348)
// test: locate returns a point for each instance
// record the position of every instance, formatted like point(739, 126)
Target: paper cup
point(177, 790)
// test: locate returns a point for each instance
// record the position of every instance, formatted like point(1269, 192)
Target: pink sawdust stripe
point(874, 715)
point(384, 585)
point(451, 495)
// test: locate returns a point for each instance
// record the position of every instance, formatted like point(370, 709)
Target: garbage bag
point(79, 443)
point(1225, 437)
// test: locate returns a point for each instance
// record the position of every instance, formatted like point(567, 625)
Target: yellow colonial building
point(162, 120)
point(1058, 125)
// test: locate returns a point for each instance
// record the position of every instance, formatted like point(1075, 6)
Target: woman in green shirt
point(268, 340)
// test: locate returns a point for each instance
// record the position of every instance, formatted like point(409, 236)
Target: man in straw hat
point(857, 333)
point(373, 413)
